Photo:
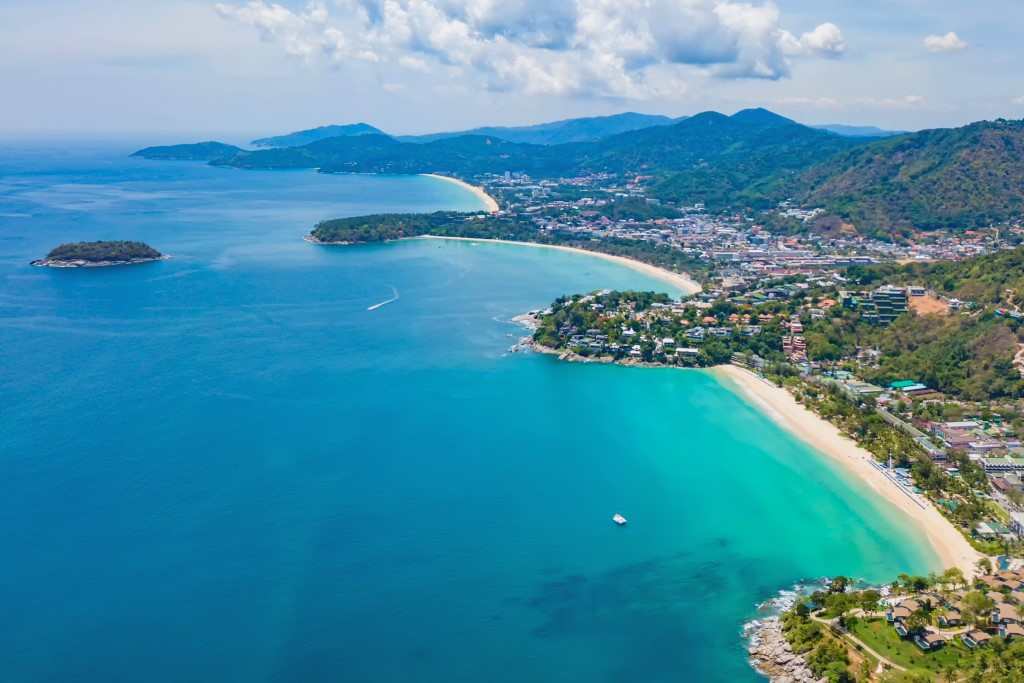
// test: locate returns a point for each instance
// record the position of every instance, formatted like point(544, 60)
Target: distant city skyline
point(249, 67)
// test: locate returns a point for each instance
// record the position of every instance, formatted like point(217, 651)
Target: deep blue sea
point(224, 468)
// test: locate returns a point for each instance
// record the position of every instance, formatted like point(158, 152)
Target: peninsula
point(668, 265)
point(99, 254)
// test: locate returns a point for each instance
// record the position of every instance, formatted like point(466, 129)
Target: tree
point(977, 606)
point(869, 600)
point(954, 576)
point(916, 621)
point(838, 584)
point(984, 566)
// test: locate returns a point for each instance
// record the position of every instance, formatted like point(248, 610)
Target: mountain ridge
point(304, 137)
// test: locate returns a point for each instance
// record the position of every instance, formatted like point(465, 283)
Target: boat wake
point(385, 303)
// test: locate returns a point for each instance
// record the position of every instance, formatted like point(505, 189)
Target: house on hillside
point(975, 639)
point(929, 640)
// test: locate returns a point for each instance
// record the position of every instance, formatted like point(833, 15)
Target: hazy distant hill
point(858, 131)
point(466, 155)
point(735, 149)
point(198, 151)
point(304, 137)
point(945, 178)
point(558, 132)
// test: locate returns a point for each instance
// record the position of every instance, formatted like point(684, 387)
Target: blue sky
point(241, 67)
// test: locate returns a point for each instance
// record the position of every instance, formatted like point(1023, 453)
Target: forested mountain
point(304, 137)
point(703, 157)
point(747, 159)
point(559, 132)
point(948, 178)
point(936, 179)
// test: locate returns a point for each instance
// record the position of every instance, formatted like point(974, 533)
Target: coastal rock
point(772, 656)
point(81, 263)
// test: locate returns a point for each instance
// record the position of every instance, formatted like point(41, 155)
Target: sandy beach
point(681, 281)
point(490, 202)
point(951, 547)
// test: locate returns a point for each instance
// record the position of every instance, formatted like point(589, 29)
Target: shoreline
point(682, 282)
point(778, 404)
point(82, 263)
point(490, 203)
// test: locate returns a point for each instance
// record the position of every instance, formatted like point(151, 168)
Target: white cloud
point(822, 102)
point(824, 41)
point(904, 102)
point(1018, 100)
point(950, 42)
point(616, 48)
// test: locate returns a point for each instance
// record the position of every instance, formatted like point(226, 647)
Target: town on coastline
point(912, 348)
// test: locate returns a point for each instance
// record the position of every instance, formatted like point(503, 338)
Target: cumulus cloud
point(950, 42)
point(618, 48)
point(824, 41)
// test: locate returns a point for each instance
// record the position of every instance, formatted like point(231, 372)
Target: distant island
point(199, 151)
point(99, 254)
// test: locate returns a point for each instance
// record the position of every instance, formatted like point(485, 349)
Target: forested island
point(98, 254)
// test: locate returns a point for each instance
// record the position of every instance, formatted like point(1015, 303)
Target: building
point(890, 302)
point(1003, 464)
point(880, 307)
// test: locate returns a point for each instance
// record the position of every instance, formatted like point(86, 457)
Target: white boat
point(619, 519)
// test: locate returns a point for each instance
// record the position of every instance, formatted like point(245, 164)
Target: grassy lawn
point(880, 636)
point(998, 512)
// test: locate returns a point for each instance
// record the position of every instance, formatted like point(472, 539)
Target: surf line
point(385, 303)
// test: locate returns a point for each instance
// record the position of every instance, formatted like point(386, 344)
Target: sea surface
point(223, 467)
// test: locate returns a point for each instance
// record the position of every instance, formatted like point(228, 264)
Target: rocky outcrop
point(772, 656)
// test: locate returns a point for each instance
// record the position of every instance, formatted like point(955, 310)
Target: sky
point(175, 69)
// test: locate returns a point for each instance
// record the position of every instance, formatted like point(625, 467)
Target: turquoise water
point(222, 467)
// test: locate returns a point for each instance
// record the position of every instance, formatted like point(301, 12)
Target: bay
point(224, 467)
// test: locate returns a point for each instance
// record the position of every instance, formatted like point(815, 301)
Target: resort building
point(975, 639)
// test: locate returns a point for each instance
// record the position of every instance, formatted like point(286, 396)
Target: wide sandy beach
point(490, 202)
point(681, 281)
point(951, 547)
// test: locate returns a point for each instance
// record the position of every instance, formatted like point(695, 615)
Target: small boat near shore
point(619, 519)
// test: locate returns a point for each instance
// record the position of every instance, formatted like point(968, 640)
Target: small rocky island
point(98, 254)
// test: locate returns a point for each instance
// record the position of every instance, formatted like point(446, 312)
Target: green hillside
point(937, 179)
